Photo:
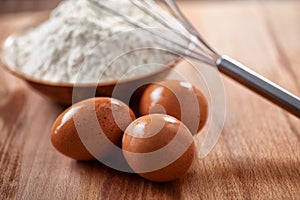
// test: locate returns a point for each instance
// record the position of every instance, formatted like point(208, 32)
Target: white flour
point(72, 39)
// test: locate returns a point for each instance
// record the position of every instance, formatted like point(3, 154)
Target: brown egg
point(164, 145)
point(179, 99)
point(93, 117)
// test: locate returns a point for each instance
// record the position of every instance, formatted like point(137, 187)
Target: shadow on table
point(123, 184)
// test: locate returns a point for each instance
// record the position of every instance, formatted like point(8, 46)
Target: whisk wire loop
point(184, 48)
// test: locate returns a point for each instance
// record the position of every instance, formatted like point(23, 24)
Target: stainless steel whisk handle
point(259, 84)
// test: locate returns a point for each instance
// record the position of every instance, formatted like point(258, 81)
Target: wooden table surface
point(258, 153)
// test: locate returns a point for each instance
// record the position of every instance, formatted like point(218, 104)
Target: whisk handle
point(259, 84)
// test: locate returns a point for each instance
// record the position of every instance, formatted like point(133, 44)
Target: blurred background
point(11, 6)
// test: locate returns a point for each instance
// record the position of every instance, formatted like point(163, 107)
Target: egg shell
point(154, 132)
point(179, 99)
point(112, 115)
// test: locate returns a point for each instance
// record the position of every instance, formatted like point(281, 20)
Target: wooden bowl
point(62, 93)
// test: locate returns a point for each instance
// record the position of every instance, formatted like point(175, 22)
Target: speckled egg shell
point(153, 132)
point(112, 115)
point(179, 99)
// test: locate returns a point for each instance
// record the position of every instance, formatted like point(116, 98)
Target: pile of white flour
point(80, 39)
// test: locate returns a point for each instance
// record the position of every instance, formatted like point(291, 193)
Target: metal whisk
point(169, 16)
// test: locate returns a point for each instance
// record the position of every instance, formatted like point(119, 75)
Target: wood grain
point(258, 153)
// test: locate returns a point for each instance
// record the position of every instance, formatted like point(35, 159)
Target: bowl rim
point(4, 64)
